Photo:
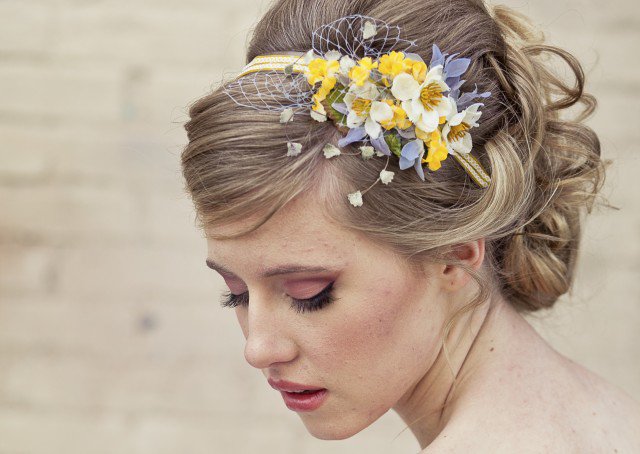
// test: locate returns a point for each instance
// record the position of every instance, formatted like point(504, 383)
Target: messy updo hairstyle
point(544, 164)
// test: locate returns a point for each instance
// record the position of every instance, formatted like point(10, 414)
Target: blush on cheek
point(376, 316)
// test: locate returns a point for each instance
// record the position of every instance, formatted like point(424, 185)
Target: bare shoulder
point(594, 417)
point(615, 414)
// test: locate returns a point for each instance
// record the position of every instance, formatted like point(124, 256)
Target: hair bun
point(561, 164)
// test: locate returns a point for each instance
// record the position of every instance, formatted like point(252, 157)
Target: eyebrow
point(275, 271)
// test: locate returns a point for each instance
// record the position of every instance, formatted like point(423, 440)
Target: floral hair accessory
point(388, 99)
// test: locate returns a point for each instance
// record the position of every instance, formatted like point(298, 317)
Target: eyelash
point(315, 303)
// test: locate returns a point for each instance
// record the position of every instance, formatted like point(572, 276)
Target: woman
point(406, 294)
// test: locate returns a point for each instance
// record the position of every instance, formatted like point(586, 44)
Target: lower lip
point(304, 402)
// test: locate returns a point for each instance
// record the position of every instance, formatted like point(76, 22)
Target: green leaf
point(335, 95)
point(393, 140)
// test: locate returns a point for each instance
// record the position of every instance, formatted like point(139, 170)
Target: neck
point(472, 344)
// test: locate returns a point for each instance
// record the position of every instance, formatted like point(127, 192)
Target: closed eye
point(316, 302)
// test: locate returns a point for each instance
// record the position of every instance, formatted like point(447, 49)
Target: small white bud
point(330, 150)
point(293, 148)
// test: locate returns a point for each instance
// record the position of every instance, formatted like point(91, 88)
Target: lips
point(292, 387)
point(304, 401)
point(298, 396)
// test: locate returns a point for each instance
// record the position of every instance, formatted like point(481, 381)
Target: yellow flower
point(317, 106)
point(361, 106)
point(423, 135)
point(399, 119)
point(437, 151)
point(325, 88)
point(392, 64)
point(367, 63)
point(320, 68)
point(360, 73)
point(417, 69)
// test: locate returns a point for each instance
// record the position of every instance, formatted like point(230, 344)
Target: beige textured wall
point(111, 337)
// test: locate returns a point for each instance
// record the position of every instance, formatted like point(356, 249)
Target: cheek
point(375, 321)
point(389, 331)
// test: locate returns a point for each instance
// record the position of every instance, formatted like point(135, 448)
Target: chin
point(328, 428)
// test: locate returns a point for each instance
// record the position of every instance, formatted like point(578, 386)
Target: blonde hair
point(546, 170)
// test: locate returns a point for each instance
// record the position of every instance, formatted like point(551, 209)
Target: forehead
point(299, 229)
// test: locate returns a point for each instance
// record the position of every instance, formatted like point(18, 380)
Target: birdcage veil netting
point(275, 90)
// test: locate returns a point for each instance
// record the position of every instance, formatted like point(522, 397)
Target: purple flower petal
point(436, 58)
point(408, 133)
point(457, 67)
point(449, 58)
point(452, 81)
point(409, 153)
point(418, 167)
point(341, 107)
point(354, 135)
point(381, 145)
point(467, 98)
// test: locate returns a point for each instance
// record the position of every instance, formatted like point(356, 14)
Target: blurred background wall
point(111, 336)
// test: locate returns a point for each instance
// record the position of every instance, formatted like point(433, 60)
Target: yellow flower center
point(457, 132)
point(361, 106)
point(430, 96)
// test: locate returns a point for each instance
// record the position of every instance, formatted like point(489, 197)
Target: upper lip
point(283, 385)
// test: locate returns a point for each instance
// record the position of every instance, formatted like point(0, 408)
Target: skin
point(377, 347)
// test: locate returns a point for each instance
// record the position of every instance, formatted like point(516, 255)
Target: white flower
point(368, 90)
point(380, 111)
point(317, 116)
point(309, 56)
point(367, 151)
point(423, 103)
point(376, 113)
point(293, 148)
point(355, 198)
point(286, 115)
point(386, 176)
point(332, 55)
point(368, 30)
point(330, 150)
point(346, 63)
point(455, 131)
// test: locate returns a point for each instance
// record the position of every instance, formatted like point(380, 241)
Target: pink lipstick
point(306, 401)
point(300, 397)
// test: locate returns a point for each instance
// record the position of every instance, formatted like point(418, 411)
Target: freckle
point(594, 413)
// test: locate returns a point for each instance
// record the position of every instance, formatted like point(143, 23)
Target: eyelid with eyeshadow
point(316, 302)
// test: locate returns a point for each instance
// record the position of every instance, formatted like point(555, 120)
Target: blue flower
point(411, 155)
point(354, 135)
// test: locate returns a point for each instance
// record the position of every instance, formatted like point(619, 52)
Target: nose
point(267, 338)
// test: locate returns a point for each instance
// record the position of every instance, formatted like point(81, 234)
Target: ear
point(472, 255)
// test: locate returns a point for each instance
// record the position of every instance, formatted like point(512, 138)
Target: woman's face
point(368, 347)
